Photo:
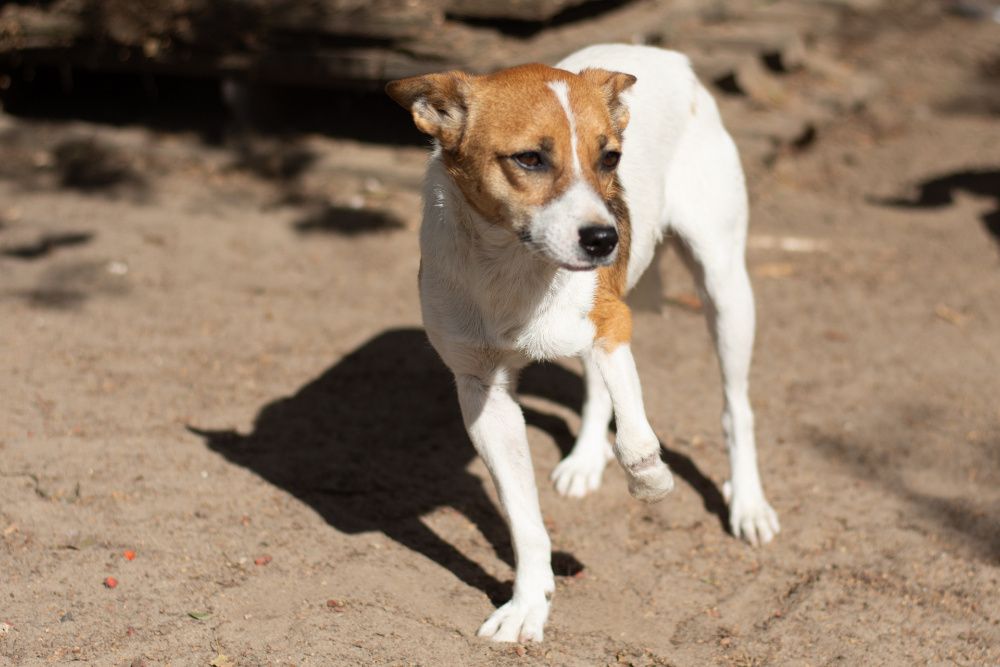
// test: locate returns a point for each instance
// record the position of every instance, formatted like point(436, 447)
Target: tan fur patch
point(483, 121)
point(515, 111)
point(511, 111)
point(610, 315)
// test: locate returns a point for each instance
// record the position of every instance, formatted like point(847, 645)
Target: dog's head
point(534, 149)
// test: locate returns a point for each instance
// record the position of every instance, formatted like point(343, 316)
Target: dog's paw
point(517, 621)
point(751, 519)
point(649, 481)
point(580, 473)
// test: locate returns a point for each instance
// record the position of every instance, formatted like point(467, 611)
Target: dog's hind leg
point(730, 310)
point(496, 427)
point(580, 472)
point(710, 214)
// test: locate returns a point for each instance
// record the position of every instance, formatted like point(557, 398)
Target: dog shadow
point(566, 388)
point(377, 441)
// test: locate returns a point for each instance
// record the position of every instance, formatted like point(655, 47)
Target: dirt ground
point(214, 359)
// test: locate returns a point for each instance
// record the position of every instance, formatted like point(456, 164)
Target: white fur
point(490, 306)
point(496, 428)
point(555, 227)
point(541, 311)
point(561, 89)
point(580, 473)
point(637, 448)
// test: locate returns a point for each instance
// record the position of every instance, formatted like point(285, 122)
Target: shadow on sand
point(940, 191)
point(377, 441)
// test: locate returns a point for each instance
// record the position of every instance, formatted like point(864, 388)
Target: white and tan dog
point(546, 193)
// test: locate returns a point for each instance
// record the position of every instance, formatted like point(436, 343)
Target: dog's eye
point(529, 160)
point(610, 159)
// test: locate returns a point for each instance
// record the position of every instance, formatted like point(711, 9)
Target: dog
point(546, 193)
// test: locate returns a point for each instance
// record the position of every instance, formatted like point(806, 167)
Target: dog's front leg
point(636, 446)
point(496, 426)
point(580, 472)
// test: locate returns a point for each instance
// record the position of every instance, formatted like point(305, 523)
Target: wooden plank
point(782, 45)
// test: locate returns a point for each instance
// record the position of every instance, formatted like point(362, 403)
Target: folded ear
point(438, 102)
point(612, 84)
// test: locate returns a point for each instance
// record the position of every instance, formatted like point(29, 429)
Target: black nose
point(598, 240)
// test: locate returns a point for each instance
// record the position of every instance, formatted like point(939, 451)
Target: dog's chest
point(481, 288)
point(551, 325)
point(507, 306)
point(526, 306)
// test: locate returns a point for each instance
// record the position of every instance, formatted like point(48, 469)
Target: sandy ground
point(220, 367)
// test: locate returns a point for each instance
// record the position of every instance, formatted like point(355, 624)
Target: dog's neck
point(495, 250)
point(520, 299)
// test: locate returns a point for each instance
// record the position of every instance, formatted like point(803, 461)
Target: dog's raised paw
point(517, 621)
point(651, 481)
point(579, 474)
point(751, 519)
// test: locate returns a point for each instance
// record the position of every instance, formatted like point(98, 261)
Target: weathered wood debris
point(763, 57)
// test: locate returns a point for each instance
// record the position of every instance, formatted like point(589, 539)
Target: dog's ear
point(438, 102)
point(612, 84)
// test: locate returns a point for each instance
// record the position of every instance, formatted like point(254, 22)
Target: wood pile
point(315, 42)
point(776, 86)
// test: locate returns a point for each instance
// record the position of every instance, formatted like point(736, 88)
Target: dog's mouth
point(580, 267)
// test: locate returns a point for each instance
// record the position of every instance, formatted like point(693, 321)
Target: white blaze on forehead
point(561, 89)
point(555, 226)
